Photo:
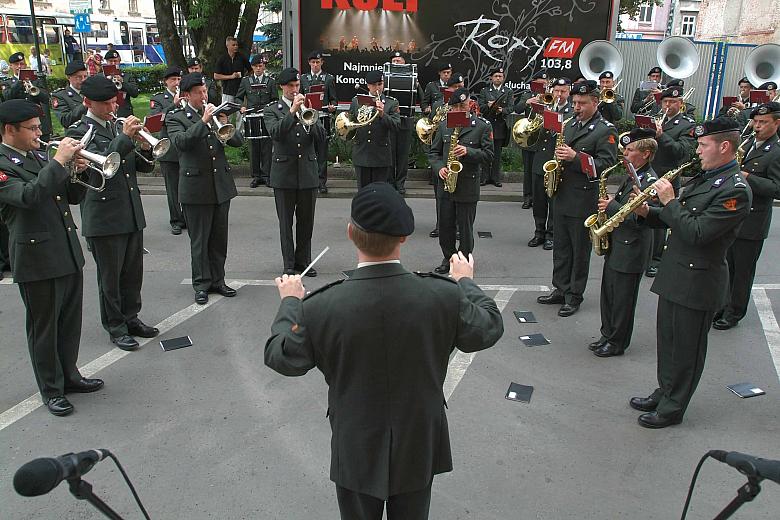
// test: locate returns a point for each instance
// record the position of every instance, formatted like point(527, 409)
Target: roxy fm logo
point(410, 6)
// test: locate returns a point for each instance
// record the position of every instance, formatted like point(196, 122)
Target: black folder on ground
point(175, 343)
point(745, 390)
point(534, 340)
point(520, 393)
point(525, 316)
point(484, 234)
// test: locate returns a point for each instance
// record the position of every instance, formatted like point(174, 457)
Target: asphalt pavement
point(209, 432)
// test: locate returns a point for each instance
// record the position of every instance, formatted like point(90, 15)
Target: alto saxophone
point(615, 220)
point(553, 168)
point(600, 244)
point(454, 166)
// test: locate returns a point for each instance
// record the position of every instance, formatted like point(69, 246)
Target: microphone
point(40, 476)
point(749, 465)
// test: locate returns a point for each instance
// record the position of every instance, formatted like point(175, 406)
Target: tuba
point(105, 166)
point(677, 57)
point(761, 64)
point(598, 56)
point(600, 244)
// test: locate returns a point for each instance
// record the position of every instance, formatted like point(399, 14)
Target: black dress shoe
point(84, 386)
point(724, 324)
point(434, 233)
point(59, 406)
point(567, 310)
point(598, 343)
point(497, 184)
point(323, 190)
point(548, 245)
point(643, 404)
point(609, 350)
point(201, 297)
point(311, 273)
point(655, 421)
point(175, 229)
point(125, 342)
point(224, 290)
point(138, 328)
point(526, 204)
point(483, 183)
point(651, 272)
point(289, 272)
point(551, 299)
point(254, 184)
point(444, 268)
point(535, 242)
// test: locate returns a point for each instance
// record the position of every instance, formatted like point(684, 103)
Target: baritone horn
point(105, 166)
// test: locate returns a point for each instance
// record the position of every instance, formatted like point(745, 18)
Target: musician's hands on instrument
point(603, 203)
point(80, 164)
point(659, 129)
point(243, 109)
point(664, 191)
point(565, 153)
point(208, 113)
point(461, 267)
point(131, 126)
point(297, 103)
point(738, 105)
point(460, 150)
point(66, 150)
point(331, 108)
point(443, 173)
point(222, 117)
point(427, 110)
point(642, 210)
point(290, 285)
point(745, 174)
point(380, 107)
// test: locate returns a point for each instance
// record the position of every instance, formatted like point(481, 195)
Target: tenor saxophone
point(553, 168)
point(454, 166)
point(600, 244)
point(615, 220)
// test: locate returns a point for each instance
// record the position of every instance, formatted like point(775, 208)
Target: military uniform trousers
point(5, 262)
point(742, 258)
point(53, 309)
point(260, 158)
point(456, 215)
point(170, 172)
point(207, 226)
point(619, 294)
point(657, 250)
point(120, 274)
point(571, 257)
point(400, 145)
point(296, 253)
point(682, 349)
point(543, 207)
point(413, 505)
point(492, 172)
point(528, 175)
point(366, 174)
point(321, 149)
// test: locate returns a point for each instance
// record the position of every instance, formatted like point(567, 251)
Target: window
point(99, 30)
point(20, 29)
point(132, 6)
point(688, 27)
point(646, 13)
point(152, 34)
point(105, 5)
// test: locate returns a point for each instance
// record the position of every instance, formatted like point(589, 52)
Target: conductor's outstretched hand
point(290, 286)
point(461, 267)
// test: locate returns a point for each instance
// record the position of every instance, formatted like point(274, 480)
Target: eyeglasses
point(33, 128)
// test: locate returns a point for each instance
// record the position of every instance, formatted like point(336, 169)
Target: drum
point(401, 83)
point(254, 127)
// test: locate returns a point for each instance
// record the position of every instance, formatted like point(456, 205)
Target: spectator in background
point(230, 68)
point(71, 47)
point(48, 61)
point(34, 61)
point(94, 62)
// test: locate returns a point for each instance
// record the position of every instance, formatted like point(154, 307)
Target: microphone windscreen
point(37, 477)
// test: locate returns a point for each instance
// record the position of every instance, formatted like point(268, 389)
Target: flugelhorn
point(159, 146)
point(107, 166)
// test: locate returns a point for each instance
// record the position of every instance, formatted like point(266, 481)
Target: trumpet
point(159, 146)
point(307, 116)
point(117, 80)
point(224, 132)
point(30, 89)
point(105, 166)
point(609, 95)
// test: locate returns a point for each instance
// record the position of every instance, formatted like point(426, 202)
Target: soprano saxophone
point(554, 168)
point(600, 244)
point(454, 166)
point(615, 220)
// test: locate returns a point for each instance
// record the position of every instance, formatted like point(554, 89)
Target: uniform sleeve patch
point(55, 102)
point(730, 204)
point(3, 177)
point(151, 103)
point(611, 139)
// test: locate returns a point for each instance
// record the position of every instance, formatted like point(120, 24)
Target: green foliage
point(148, 79)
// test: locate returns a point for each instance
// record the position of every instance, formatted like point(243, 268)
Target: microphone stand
point(745, 493)
point(82, 490)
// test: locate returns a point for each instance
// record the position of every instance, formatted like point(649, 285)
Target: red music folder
point(728, 100)
point(759, 96)
point(645, 122)
point(538, 87)
point(537, 108)
point(588, 165)
point(364, 99)
point(553, 121)
point(457, 119)
point(110, 70)
point(153, 123)
point(657, 97)
point(316, 88)
point(27, 75)
point(120, 97)
point(447, 93)
point(314, 101)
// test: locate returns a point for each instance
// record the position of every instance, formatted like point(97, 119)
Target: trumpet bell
point(161, 147)
point(591, 220)
point(226, 132)
point(677, 57)
point(111, 165)
point(548, 98)
point(762, 64)
point(308, 116)
point(598, 56)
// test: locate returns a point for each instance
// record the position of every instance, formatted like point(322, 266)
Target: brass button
point(211, 147)
point(123, 161)
point(58, 197)
point(127, 175)
point(299, 145)
point(297, 135)
point(215, 170)
point(369, 131)
point(666, 247)
point(369, 140)
point(32, 240)
point(694, 209)
point(66, 213)
point(690, 265)
point(300, 156)
point(69, 229)
point(131, 188)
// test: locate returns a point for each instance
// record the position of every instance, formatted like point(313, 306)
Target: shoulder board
point(391, 97)
point(483, 120)
point(435, 275)
point(606, 123)
point(76, 124)
point(323, 288)
point(689, 119)
point(175, 110)
point(739, 182)
point(58, 90)
point(158, 93)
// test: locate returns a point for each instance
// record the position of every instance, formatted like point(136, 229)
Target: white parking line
point(768, 322)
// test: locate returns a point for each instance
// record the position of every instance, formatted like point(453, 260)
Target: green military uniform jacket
point(294, 160)
point(523, 107)
point(763, 166)
point(204, 173)
point(506, 101)
point(131, 90)
point(257, 92)
point(703, 222)
point(577, 194)
point(371, 144)
point(676, 144)
point(329, 97)
point(630, 243)
point(431, 95)
point(117, 209)
point(162, 102)
point(213, 94)
point(15, 90)
point(545, 148)
point(638, 103)
point(34, 204)
point(68, 105)
point(614, 111)
point(385, 401)
point(478, 140)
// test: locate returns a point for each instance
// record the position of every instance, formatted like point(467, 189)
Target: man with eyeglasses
point(17, 89)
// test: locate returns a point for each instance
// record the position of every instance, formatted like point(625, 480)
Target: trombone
point(159, 146)
point(107, 166)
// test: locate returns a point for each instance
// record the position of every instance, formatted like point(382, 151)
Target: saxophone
point(454, 166)
point(553, 168)
point(615, 220)
point(600, 244)
point(740, 155)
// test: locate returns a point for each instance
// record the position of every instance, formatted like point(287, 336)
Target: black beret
point(655, 70)
point(18, 110)
point(315, 55)
point(374, 76)
point(171, 71)
point(98, 88)
point(584, 87)
point(444, 66)
point(675, 83)
point(288, 75)
point(110, 55)
point(257, 59)
point(74, 67)
point(607, 74)
point(459, 96)
point(672, 92)
point(744, 80)
point(637, 134)
point(397, 54)
point(497, 70)
point(719, 125)
point(773, 107)
point(539, 74)
point(768, 85)
point(378, 208)
point(192, 62)
point(16, 57)
point(455, 78)
point(191, 80)
point(562, 81)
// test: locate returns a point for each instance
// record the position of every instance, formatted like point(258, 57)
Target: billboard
point(523, 36)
